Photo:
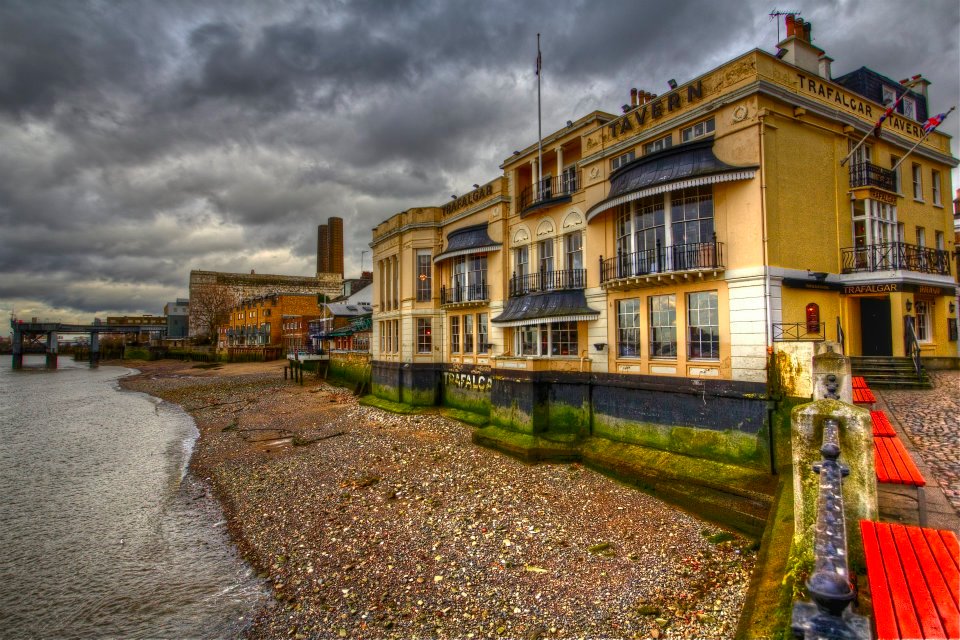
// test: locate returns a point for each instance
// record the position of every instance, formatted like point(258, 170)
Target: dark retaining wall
point(719, 420)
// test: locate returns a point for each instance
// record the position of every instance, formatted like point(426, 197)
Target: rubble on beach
point(369, 524)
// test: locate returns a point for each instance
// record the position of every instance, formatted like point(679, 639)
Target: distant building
point(258, 321)
point(178, 318)
point(330, 247)
point(213, 293)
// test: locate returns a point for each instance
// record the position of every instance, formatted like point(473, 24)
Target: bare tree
point(210, 306)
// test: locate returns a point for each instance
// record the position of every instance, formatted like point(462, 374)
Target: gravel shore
point(369, 524)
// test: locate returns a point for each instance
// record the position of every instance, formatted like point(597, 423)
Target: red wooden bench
point(914, 577)
point(895, 466)
point(859, 382)
point(862, 395)
point(881, 425)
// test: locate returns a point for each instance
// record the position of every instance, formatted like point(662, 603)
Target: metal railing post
point(829, 585)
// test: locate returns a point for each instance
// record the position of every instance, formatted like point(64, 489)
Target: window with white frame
point(573, 250)
point(909, 108)
point(424, 271)
point(548, 339)
point(628, 328)
point(658, 145)
point(424, 335)
point(935, 185)
point(545, 255)
point(468, 278)
point(917, 182)
point(521, 261)
point(703, 325)
point(889, 96)
point(483, 339)
point(921, 237)
point(468, 333)
point(922, 308)
point(698, 130)
point(454, 334)
point(622, 159)
point(663, 326)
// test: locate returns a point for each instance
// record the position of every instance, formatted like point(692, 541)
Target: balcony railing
point(550, 188)
point(459, 294)
point(548, 281)
point(896, 256)
point(691, 256)
point(867, 174)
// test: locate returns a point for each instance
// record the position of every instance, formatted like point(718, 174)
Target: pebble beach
point(369, 524)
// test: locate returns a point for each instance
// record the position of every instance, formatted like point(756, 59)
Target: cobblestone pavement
point(931, 418)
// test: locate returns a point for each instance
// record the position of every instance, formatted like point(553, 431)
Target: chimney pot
point(633, 96)
point(807, 27)
point(791, 25)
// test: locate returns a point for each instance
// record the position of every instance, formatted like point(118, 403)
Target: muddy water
point(103, 532)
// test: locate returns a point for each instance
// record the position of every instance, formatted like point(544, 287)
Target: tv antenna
point(775, 15)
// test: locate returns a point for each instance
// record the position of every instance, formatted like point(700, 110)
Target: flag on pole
point(886, 114)
point(934, 122)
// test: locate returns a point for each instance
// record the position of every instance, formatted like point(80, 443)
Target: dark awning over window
point(467, 241)
point(554, 306)
point(686, 165)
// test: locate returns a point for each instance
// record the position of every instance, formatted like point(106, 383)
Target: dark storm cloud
point(141, 139)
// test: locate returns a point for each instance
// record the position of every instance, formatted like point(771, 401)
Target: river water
point(102, 531)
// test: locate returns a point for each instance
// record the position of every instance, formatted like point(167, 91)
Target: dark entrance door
point(875, 328)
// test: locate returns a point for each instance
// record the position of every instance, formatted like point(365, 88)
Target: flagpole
point(889, 111)
point(539, 126)
point(919, 142)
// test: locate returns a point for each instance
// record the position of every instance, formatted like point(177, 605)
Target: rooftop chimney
point(825, 61)
point(633, 97)
point(796, 48)
point(920, 86)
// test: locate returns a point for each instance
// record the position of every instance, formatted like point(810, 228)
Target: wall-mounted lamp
point(476, 186)
point(453, 197)
point(625, 108)
point(672, 83)
point(953, 307)
point(569, 123)
point(909, 306)
point(516, 153)
point(600, 346)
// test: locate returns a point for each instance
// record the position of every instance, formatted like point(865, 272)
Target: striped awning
point(540, 308)
point(468, 241)
point(686, 165)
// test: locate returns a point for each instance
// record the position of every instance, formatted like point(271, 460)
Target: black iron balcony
point(465, 293)
point(548, 281)
point(896, 256)
point(692, 256)
point(867, 174)
point(557, 188)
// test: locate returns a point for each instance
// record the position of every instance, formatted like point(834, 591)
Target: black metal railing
point(867, 174)
point(841, 337)
point(796, 331)
point(889, 256)
point(829, 585)
point(548, 281)
point(550, 188)
point(912, 345)
point(457, 294)
point(679, 257)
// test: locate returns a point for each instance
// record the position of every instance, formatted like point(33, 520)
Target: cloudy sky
point(141, 139)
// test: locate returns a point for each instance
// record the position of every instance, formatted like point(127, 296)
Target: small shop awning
point(553, 306)
point(686, 165)
point(468, 241)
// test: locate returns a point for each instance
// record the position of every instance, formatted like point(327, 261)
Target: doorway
point(875, 329)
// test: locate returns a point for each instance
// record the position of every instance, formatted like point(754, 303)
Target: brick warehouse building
point(665, 250)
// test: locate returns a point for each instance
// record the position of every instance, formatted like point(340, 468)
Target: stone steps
point(889, 372)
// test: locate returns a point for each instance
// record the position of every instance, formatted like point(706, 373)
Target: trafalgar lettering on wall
point(655, 109)
point(476, 195)
point(816, 87)
point(472, 381)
